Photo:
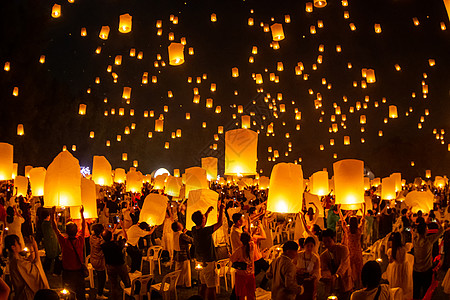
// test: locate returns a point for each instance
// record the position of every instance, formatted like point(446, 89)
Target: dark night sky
point(50, 93)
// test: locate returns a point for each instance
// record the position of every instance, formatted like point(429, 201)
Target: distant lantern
point(101, 171)
point(285, 188)
point(119, 175)
point(42, 59)
point(82, 109)
point(56, 11)
point(320, 3)
point(20, 130)
point(220, 129)
point(213, 18)
point(349, 183)
point(370, 76)
point(346, 140)
point(377, 28)
point(209, 103)
point(159, 125)
point(245, 121)
point(92, 134)
point(277, 32)
point(431, 62)
point(37, 179)
point(235, 72)
point(309, 7)
point(362, 119)
point(62, 185)
point(319, 183)
point(118, 60)
point(124, 156)
point(176, 54)
point(188, 116)
point(125, 23)
point(15, 91)
point(104, 33)
point(393, 111)
point(7, 66)
point(240, 152)
point(83, 31)
point(126, 94)
point(388, 188)
point(428, 174)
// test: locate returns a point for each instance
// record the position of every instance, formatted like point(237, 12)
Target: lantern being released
point(349, 183)
point(6, 161)
point(21, 185)
point(201, 200)
point(277, 32)
point(88, 199)
point(37, 179)
point(195, 179)
point(173, 186)
point(134, 181)
point(125, 23)
point(101, 171)
point(241, 152)
point(388, 188)
point(319, 183)
point(119, 175)
point(286, 188)
point(62, 186)
point(210, 165)
point(176, 54)
point(153, 211)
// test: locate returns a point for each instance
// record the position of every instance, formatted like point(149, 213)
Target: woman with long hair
point(14, 223)
point(243, 259)
point(398, 273)
point(27, 274)
point(308, 269)
point(352, 239)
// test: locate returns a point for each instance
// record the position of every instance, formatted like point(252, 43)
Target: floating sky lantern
point(62, 186)
point(134, 181)
point(56, 11)
point(173, 186)
point(388, 188)
point(125, 22)
point(20, 130)
point(240, 152)
point(104, 32)
point(320, 3)
point(277, 32)
point(286, 188)
point(37, 180)
point(119, 175)
point(176, 54)
point(393, 112)
point(349, 183)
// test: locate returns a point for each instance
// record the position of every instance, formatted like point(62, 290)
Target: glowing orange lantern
point(210, 165)
point(37, 180)
point(286, 188)
point(240, 152)
point(349, 183)
point(125, 22)
point(176, 54)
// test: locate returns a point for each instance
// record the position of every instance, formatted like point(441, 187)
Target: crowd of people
point(384, 251)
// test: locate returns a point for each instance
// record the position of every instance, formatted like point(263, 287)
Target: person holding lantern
point(204, 250)
point(72, 254)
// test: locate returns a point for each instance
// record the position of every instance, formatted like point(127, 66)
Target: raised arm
point(220, 219)
point(83, 221)
point(53, 221)
point(302, 216)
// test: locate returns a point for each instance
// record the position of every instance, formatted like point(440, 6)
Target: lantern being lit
point(21, 185)
point(37, 179)
point(286, 188)
point(277, 32)
point(62, 185)
point(210, 165)
point(125, 22)
point(349, 183)
point(195, 179)
point(388, 188)
point(101, 171)
point(6, 161)
point(173, 186)
point(241, 152)
point(154, 209)
point(176, 54)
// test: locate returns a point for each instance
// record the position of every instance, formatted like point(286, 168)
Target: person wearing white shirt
point(134, 233)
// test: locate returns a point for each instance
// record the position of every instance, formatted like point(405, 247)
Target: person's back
point(204, 245)
point(370, 278)
point(365, 294)
point(113, 253)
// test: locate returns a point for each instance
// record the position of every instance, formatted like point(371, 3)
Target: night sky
point(50, 93)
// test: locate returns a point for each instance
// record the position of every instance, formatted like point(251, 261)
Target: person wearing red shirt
point(72, 254)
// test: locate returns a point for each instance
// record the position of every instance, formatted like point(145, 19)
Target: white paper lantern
point(349, 183)
point(37, 180)
point(286, 188)
point(241, 149)
point(201, 200)
point(153, 211)
point(195, 179)
point(101, 171)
